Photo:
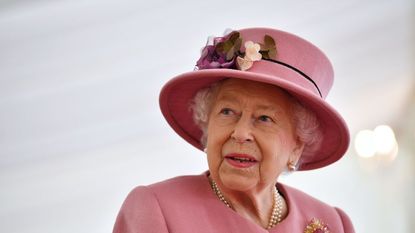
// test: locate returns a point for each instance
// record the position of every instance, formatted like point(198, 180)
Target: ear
point(297, 151)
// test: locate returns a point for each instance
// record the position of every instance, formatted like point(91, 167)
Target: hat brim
point(177, 94)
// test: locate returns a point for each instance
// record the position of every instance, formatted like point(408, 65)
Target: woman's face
point(251, 136)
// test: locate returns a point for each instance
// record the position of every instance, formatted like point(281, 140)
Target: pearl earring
point(291, 166)
point(205, 150)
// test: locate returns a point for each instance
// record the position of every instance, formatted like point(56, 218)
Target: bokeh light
point(365, 143)
point(384, 139)
point(378, 142)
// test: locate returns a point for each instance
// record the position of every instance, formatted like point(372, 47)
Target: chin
point(237, 182)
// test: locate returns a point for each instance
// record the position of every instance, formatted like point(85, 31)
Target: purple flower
point(220, 52)
point(211, 59)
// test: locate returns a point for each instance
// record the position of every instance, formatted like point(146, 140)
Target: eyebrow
point(227, 98)
point(270, 108)
point(231, 99)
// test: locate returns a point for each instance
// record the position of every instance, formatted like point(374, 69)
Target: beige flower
point(252, 51)
point(251, 54)
point(243, 64)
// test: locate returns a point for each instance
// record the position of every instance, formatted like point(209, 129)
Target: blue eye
point(226, 111)
point(265, 118)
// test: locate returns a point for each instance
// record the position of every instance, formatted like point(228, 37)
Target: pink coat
point(187, 204)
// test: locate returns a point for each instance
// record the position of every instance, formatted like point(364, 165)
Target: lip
point(240, 160)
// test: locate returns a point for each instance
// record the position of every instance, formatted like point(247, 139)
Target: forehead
point(262, 94)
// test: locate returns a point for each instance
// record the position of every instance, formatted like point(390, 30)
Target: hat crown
point(298, 54)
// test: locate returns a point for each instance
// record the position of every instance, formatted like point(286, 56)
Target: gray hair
point(307, 125)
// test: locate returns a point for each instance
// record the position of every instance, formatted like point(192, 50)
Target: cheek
point(213, 161)
point(217, 136)
point(277, 151)
point(215, 141)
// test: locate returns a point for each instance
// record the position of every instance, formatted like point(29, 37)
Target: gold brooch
point(316, 226)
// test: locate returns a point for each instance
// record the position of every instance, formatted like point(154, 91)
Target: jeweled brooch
point(316, 226)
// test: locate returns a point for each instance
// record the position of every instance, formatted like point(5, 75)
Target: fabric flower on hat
point(251, 54)
point(210, 59)
point(225, 52)
point(252, 51)
point(221, 54)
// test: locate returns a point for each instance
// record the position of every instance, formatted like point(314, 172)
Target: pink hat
point(287, 61)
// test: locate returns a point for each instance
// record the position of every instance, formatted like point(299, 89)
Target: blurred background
point(80, 124)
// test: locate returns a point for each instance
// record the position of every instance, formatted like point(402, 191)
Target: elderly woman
point(256, 106)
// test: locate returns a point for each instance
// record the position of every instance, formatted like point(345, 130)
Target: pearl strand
point(276, 213)
point(219, 193)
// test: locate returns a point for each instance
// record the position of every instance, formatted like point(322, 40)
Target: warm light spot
point(384, 140)
point(379, 142)
point(365, 143)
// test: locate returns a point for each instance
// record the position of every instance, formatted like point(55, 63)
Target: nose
point(242, 131)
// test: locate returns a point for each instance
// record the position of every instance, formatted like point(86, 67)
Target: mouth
point(240, 160)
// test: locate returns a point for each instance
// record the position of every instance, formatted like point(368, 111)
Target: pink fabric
point(187, 204)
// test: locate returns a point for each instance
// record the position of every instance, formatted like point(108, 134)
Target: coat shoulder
point(309, 208)
point(151, 208)
point(299, 196)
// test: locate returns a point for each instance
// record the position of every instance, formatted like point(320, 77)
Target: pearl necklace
point(276, 213)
